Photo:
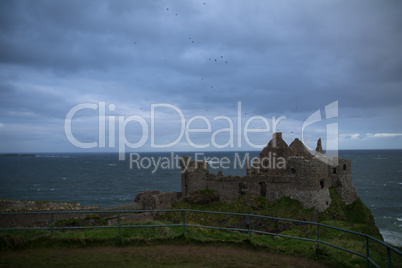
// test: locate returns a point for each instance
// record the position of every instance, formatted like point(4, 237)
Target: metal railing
point(250, 230)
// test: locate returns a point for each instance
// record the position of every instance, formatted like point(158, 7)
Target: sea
point(101, 179)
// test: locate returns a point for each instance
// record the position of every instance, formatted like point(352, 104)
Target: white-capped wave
point(391, 237)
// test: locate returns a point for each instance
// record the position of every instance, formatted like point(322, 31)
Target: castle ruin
point(297, 174)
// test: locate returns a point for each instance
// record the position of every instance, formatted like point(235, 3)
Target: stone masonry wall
point(306, 179)
point(154, 200)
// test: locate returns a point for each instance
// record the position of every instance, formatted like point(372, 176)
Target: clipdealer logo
point(147, 130)
point(332, 134)
point(174, 161)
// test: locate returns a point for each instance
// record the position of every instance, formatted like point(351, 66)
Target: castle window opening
point(334, 170)
point(344, 166)
point(185, 184)
point(322, 184)
point(263, 189)
point(293, 170)
point(242, 187)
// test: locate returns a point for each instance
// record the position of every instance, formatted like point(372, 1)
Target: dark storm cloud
point(278, 58)
point(61, 36)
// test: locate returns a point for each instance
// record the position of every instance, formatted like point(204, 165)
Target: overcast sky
point(205, 61)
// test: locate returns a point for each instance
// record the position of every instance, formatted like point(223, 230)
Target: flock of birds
point(218, 59)
point(211, 59)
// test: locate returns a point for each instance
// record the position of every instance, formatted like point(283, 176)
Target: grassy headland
point(355, 217)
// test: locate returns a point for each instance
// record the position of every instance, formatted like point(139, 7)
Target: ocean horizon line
point(185, 151)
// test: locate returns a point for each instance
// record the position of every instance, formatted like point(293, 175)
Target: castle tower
point(272, 159)
point(277, 145)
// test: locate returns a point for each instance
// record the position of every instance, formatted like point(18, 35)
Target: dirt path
point(151, 256)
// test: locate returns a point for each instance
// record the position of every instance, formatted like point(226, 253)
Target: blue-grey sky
point(207, 61)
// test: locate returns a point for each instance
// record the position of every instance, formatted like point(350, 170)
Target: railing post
point(318, 238)
point(367, 251)
point(51, 224)
point(184, 222)
point(389, 257)
point(249, 227)
point(118, 222)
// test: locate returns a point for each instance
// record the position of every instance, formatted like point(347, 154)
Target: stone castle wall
point(304, 177)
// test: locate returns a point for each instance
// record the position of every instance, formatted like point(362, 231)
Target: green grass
point(355, 217)
point(28, 240)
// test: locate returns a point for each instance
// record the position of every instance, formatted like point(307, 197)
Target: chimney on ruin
point(277, 136)
point(318, 149)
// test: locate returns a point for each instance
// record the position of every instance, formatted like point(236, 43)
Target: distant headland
point(18, 155)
